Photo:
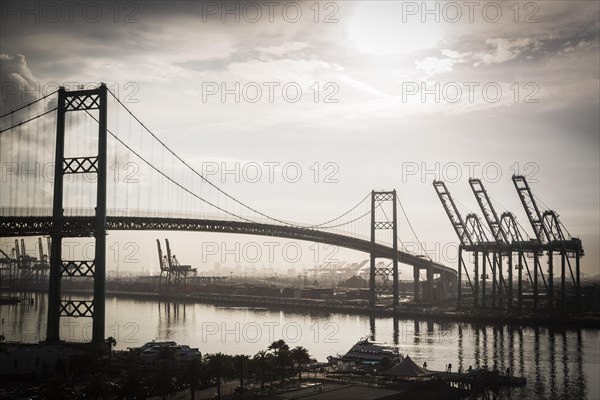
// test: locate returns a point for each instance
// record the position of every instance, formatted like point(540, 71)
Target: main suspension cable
point(168, 177)
point(28, 120)
point(27, 105)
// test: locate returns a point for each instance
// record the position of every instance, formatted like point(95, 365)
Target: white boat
point(367, 351)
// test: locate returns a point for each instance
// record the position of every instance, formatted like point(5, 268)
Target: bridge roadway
point(82, 226)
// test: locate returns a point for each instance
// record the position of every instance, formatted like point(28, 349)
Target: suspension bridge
point(82, 201)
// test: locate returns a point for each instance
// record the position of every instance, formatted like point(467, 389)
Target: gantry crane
point(6, 265)
point(550, 237)
point(500, 237)
point(28, 267)
point(511, 228)
point(472, 238)
point(42, 266)
point(171, 271)
point(24, 261)
point(482, 244)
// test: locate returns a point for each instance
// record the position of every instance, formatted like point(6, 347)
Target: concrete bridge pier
point(429, 284)
point(427, 287)
point(416, 286)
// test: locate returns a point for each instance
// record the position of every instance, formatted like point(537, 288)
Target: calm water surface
point(558, 363)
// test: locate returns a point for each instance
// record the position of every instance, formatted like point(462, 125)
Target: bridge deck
point(83, 226)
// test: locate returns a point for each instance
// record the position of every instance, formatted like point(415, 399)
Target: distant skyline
point(392, 96)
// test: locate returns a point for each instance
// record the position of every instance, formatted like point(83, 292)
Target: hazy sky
point(392, 95)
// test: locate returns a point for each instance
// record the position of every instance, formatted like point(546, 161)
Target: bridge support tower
point(380, 197)
point(76, 101)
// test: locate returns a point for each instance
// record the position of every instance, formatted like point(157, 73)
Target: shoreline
point(428, 313)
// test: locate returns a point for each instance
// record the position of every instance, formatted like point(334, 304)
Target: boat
point(151, 350)
point(369, 352)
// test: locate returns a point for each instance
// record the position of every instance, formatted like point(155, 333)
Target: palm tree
point(166, 353)
point(219, 367)
point(299, 356)
point(262, 358)
point(277, 345)
point(191, 374)
point(131, 387)
point(281, 352)
point(240, 363)
point(164, 372)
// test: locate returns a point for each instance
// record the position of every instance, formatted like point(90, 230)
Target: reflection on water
point(558, 363)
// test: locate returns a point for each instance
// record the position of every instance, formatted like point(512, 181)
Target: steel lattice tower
point(74, 101)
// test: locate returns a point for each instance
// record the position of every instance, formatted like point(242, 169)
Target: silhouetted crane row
point(507, 241)
point(548, 230)
point(28, 267)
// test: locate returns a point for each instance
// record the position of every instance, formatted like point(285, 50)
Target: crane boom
point(453, 214)
point(553, 226)
point(510, 227)
point(475, 229)
point(6, 255)
point(18, 254)
point(489, 213)
point(160, 255)
point(169, 260)
point(531, 208)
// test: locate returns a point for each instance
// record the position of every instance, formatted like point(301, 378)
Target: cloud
point(21, 147)
point(434, 65)
point(505, 50)
point(283, 49)
point(282, 70)
point(16, 78)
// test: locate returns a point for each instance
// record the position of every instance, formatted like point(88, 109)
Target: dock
point(479, 379)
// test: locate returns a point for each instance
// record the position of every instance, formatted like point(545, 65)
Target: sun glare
point(382, 30)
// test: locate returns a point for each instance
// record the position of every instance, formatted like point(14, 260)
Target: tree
point(278, 345)
point(281, 352)
point(131, 387)
point(191, 374)
point(97, 386)
point(164, 372)
point(240, 364)
point(299, 356)
point(219, 367)
point(262, 359)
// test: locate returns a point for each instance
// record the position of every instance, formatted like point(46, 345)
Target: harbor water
point(558, 363)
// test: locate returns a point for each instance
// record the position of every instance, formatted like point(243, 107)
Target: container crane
point(500, 237)
point(471, 236)
point(174, 272)
point(550, 237)
point(41, 267)
point(509, 225)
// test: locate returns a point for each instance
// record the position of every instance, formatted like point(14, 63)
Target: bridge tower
point(380, 197)
point(76, 101)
